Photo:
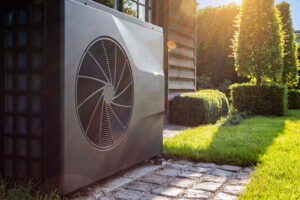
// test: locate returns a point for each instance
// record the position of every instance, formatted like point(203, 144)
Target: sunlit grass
point(278, 175)
point(270, 143)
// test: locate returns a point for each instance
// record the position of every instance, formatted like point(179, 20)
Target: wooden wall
point(178, 18)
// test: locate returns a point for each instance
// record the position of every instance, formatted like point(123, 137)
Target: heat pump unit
point(82, 91)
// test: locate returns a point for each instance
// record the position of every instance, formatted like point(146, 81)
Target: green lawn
point(272, 144)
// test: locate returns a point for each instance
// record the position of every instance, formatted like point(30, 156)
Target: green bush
point(261, 100)
point(202, 107)
point(204, 82)
point(294, 99)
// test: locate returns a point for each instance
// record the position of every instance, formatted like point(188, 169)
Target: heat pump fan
point(83, 92)
point(104, 93)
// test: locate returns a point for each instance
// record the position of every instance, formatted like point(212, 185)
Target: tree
point(215, 32)
point(129, 8)
point(258, 45)
point(290, 61)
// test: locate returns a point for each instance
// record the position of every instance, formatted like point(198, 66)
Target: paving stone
point(248, 169)
point(240, 182)
point(116, 183)
point(207, 165)
point(141, 186)
point(174, 180)
point(223, 196)
point(84, 198)
point(234, 189)
point(154, 197)
point(223, 173)
point(184, 162)
point(156, 179)
point(189, 174)
point(182, 183)
point(176, 166)
point(230, 168)
point(170, 133)
point(128, 194)
point(217, 179)
point(172, 130)
point(106, 198)
point(98, 195)
point(207, 186)
point(243, 175)
point(94, 193)
point(199, 169)
point(197, 194)
point(140, 171)
point(168, 172)
point(169, 191)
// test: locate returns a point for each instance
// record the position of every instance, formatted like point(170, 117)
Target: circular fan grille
point(104, 93)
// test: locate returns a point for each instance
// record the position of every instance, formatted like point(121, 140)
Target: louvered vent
point(104, 93)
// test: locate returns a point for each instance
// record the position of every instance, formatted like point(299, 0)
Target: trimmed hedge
point(202, 107)
point(259, 100)
point(294, 99)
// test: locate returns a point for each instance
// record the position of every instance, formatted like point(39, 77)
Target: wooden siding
point(180, 27)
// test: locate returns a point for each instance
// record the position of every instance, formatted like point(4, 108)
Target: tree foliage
point(215, 31)
point(290, 61)
point(258, 46)
point(109, 3)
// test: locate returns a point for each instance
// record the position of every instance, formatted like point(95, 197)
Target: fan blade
point(105, 136)
point(127, 87)
point(117, 128)
point(92, 78)
point(95, 125)
point(98, 64)
point(94, 111)
point(85, 111)
point(107, 60)
point(86, 87)
point(121, 76)
point(89, 97)
point(90, 68)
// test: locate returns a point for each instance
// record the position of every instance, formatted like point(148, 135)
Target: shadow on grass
point(241, 144)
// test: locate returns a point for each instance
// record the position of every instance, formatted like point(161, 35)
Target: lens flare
point(171, 45)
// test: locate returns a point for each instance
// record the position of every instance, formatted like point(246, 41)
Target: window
point(109, 3)
point(141, 9)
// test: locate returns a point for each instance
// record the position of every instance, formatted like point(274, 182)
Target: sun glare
point(220, 2)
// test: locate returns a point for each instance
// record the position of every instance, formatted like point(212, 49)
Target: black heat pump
point(82, 92)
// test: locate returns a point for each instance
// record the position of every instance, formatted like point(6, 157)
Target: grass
point(270, 143)
point(14, 190)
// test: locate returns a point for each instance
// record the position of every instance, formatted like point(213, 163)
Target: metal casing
point(85, 21)
point(67, 161)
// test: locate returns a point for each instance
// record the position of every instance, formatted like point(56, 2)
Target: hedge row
point(294, 99)
point(202, 107)
point(260, 100)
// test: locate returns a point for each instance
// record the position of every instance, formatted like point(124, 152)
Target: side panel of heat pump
point(22, 65)
point(92, 32)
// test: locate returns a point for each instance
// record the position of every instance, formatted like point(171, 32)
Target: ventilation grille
point(21, 72)
point(104, 93)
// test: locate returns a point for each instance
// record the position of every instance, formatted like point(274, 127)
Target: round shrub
point(202, 107)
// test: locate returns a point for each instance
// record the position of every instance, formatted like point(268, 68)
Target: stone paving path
point(172, 130)
point(173, 180)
